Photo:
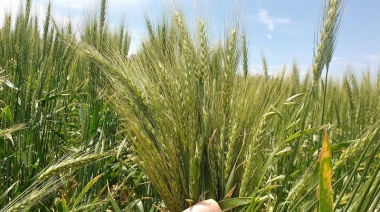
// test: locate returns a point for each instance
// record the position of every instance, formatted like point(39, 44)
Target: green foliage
point(51, 112)
point(84, 126)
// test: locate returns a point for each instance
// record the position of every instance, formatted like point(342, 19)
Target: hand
point(209, 205)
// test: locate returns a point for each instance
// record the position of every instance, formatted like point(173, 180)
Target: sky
point(281, 30)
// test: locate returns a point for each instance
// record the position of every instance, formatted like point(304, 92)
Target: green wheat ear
point(332, 13)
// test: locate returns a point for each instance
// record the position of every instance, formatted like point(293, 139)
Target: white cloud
point(363, 60)
point(269, 36)
point(39, 10)
point(129, 2)
point(11, 7)
point(137, 36)
point(72, 4)
point(359, 64)
point(371, 57)
point(8, 7)
point(64, 10)
point(270, 21)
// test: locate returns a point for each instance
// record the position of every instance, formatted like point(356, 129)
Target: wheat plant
point(86, 126)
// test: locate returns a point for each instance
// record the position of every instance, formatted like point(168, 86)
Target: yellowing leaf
point(325, 176)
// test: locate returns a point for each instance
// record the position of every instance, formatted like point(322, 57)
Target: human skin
point(209, 205)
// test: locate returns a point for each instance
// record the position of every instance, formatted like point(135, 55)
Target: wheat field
point(86, 126)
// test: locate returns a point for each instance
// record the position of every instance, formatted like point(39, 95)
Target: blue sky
point(282, 30)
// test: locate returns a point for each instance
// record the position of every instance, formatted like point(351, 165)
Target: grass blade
point(88, 186)
point(231, 203)
point(325, 176)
